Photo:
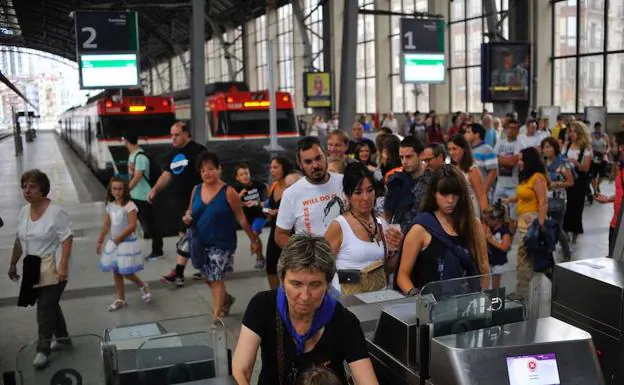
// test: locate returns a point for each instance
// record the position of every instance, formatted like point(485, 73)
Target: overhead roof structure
point(164, 25)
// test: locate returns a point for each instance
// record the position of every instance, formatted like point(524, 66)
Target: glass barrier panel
point(204, 323)
point(182, 357)
point(472, 303)
point(80, 363)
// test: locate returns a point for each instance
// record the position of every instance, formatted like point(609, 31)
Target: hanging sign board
point(107, 49)
point(422, 51)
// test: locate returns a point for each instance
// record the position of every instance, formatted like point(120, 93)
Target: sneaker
point(154, 257)
point(40, 361)
point(260, 263)
point(65, 343)
point(172, 279)
point(146, 295)
point(197, 277)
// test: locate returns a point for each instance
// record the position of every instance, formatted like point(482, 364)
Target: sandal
point(118, 304)
point(229, 301)
point(146, 295)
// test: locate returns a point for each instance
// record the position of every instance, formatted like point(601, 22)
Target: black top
point(255, 192)
point(342, 340)
point(181, 164)
point(497, 256)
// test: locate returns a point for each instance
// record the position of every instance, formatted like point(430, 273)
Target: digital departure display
point(538, 369)
point(109, 70)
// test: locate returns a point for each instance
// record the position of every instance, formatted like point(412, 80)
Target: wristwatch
point(413, 292)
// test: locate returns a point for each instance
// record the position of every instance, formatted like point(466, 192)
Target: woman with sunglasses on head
point(299, 326)
point(356, 237)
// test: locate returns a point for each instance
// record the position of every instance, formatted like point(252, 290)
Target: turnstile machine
point(177, 351)
point(589, 294)
point(454, 333)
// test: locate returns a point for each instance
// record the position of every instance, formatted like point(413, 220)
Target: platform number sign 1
point(422, 50)
point(107, 49)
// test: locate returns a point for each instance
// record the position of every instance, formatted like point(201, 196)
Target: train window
point(150, 125)
point(254, 122)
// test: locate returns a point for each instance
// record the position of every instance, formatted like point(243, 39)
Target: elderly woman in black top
point(298, 325)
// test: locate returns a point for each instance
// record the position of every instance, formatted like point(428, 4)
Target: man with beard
point(310, 205)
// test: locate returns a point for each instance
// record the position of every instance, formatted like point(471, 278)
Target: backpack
point(154, 169)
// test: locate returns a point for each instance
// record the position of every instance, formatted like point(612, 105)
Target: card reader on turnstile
point(454, 333)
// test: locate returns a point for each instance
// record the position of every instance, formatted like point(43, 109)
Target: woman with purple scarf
point(299, 326)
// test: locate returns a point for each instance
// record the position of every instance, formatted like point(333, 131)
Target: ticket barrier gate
point(153, 353)
point(455, 333)
point(589, 294)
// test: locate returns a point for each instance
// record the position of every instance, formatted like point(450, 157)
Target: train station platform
point(89, 292)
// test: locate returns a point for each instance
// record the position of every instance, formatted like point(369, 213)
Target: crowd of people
point(356, 216)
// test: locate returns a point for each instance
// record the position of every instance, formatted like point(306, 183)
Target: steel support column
point(297, 8)
point(491, 18)
point(198, 32)
point(218, 34)
point(348, 65)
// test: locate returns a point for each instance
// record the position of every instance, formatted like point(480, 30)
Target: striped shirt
point(484, 158)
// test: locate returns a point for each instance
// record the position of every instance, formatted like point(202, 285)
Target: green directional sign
point(109, 71)
point(423, 68)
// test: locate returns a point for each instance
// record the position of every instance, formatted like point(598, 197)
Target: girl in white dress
point(122, 253)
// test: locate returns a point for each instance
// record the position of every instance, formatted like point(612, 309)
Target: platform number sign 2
point(89, 43)
point(106, 32)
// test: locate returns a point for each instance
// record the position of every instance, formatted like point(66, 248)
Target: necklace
point(370, 230)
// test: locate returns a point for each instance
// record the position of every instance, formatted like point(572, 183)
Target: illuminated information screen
point(539, 369)
point(109, 70)
point(423, 68)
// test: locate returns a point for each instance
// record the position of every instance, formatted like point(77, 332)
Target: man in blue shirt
point(484, 155)
point(490, 131)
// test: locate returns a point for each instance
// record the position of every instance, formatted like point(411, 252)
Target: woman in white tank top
point(356, 237)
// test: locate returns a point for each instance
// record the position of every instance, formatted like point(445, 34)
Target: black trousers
point(148, 223)
point(50, 319)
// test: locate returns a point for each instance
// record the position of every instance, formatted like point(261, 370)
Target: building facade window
point(212, 55)
point(285, 54)
point(467, 29)
point(588, 55)
point(262, 64)
point(314, 23)
point(405, 97)
point(365, 70)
